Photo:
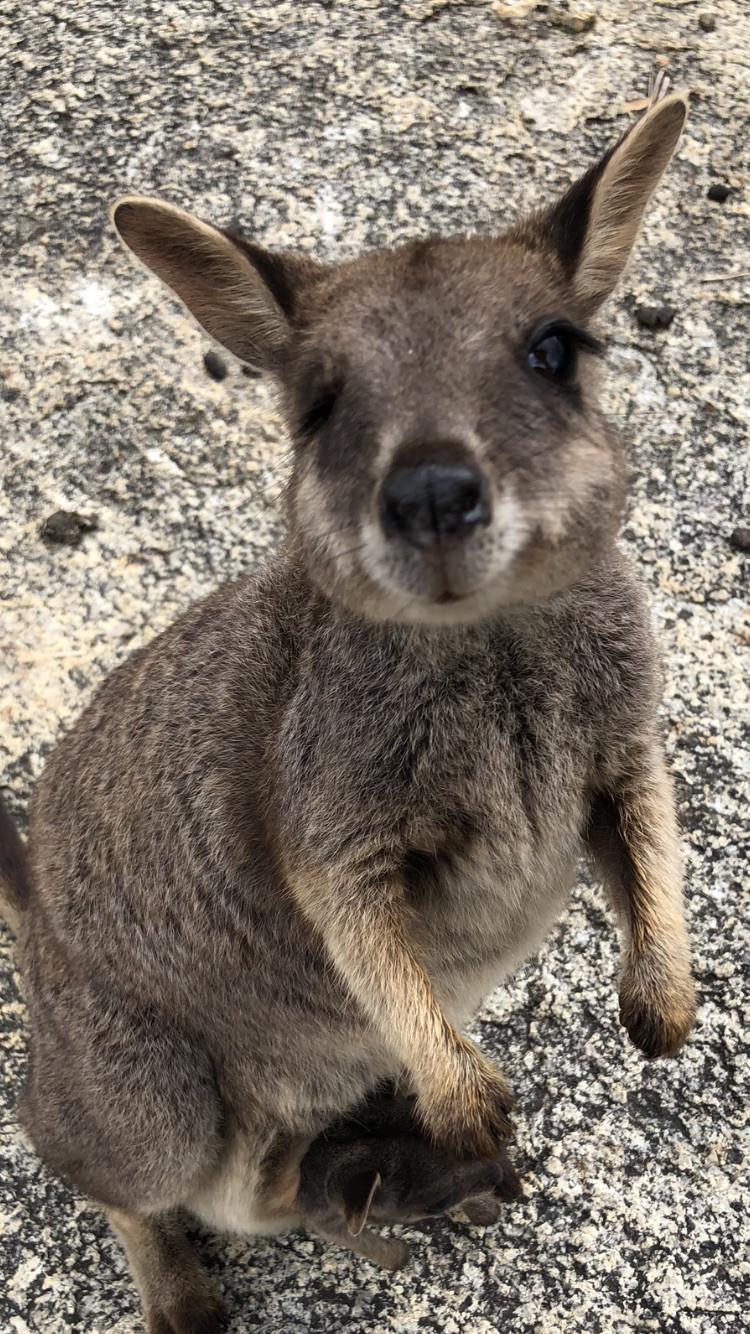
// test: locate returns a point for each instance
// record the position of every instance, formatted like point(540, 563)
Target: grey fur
point(294, 840)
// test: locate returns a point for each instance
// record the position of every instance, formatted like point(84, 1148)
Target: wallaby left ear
point(357, 1195)
point(594, 226)
point(241, 294)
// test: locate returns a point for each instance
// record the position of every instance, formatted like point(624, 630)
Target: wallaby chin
point(286, 851)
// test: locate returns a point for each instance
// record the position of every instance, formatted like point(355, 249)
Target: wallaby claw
point(473, 1117)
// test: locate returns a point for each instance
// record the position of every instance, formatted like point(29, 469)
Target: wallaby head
point(449, 454)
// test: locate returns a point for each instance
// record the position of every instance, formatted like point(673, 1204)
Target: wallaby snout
point(433, 500)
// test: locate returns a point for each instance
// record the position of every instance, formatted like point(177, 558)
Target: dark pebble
point(719, 193)
point(66, 528)
point(655, 317)
point(8, 393)
point(707, 22)
point(740, 539)
point(215, 366)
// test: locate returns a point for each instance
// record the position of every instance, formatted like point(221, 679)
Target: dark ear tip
point(125, 214)
point(672, 110)
point(136, 212)
point(120, 214)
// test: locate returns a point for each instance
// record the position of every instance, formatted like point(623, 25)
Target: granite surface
point(330, 127)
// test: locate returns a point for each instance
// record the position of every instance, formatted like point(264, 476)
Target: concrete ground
point(330, 127)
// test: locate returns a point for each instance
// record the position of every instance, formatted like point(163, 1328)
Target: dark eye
point(318, 414)
point(554, 357)
point(553, 350)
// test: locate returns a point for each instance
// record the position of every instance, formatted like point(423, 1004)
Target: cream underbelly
point(235, 1198)
point(503, 919)
point(230, 1200)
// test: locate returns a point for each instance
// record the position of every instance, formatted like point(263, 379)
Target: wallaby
point(293, 842)
point(374, 1165)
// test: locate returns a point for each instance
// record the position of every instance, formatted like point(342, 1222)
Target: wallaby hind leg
point(177, 1294)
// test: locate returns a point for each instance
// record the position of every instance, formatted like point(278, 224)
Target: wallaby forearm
point(364, 924)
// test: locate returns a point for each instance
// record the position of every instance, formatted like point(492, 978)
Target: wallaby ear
point(357, 1194)
point(241, 294)
point(594, 226)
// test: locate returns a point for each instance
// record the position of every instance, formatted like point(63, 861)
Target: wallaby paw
point(510, 1187)
point(471, 1115)
point(485, 1208)
point(482, 1210)
point(658, 1017)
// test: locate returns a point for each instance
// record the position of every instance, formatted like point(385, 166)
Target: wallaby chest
point(470, 766)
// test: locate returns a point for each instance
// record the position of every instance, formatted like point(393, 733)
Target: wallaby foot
point(177, 1294)
point(388, 1252)
point(485, 1208)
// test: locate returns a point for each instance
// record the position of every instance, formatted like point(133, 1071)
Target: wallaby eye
point(553, 350)
point(318, 414)
point(554, 357)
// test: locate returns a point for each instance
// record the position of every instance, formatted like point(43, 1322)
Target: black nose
point(433, 501)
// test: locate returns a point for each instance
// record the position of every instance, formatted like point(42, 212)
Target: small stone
point(215, 366)
point(707, 22)
point(66, 528)
point(655, 317)
point(561, 18)
point(718, 193)
point(740, 539)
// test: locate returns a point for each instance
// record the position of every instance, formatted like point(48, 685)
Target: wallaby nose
point(433, 501)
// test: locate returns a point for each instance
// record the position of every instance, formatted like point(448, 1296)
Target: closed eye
point(318, 414)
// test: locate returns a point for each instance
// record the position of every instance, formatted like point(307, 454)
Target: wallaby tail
point(14, 873)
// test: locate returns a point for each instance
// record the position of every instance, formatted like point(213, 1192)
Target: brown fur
point(293, 842)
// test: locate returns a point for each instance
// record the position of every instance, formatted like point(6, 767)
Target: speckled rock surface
point(330, 127)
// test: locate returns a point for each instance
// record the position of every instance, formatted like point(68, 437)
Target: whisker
point(335, 532)
point(352, 551)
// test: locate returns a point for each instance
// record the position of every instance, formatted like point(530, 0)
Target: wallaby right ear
point(241, 294)
point(593, 228)
point(357, 1196)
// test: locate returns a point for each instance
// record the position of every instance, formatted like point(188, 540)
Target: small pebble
point(719, 193)
point(707, 22)
point(740, 539)
point(655, 317)
point(572, 22)
point(215, 366)
point(66, 528)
